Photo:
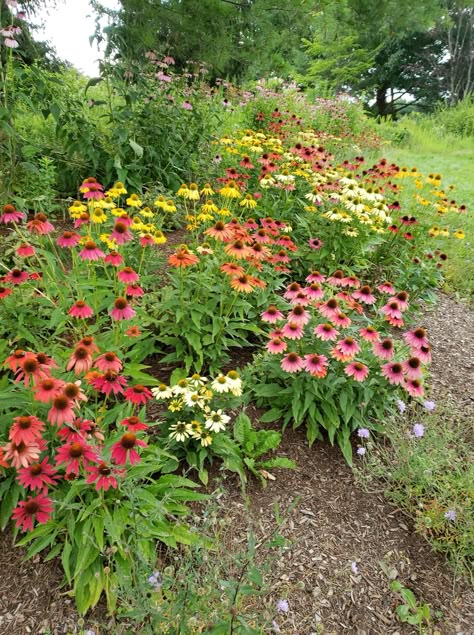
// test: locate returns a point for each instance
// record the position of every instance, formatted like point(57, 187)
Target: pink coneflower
point(293, 330)
point(80, 360)
point(315, 243)
point(114, 258)
point(94, 192)
point(300, 298)
point(348, 347)
point(369, 334)
point(68, 239)
point(122, 310)
point(292, 290)
point(109, 382)
point(76, 455)
point(26, 429)
point(48, 389)
point(276, 333)
point(31, 368)
point(88, 342)
point(83, 219)
point(350, 281)
point(10, 215)
point(402, 298)
point(412, 368)
point(61, 411)
point(416, 338)
point(147, 240)
point(299, 315)
point(357, 371)
point(125, 449)
point(393, 372)
point(103, 475)
point(292, 363)
point(392, 310)
point(134, 291)
point(25, 251)
point(37, 475)
point(5, 292)
point(22, 455)
point(35, 508)
point(336, 278)
point(81, 310)
point(326, 332)
point(276, 345)
point(16, 276)
point(341, 319)
point(315, 276)
point(314, 291)
point(365, 295)
point(73, 391)
point(423, 353)
point(329, 308)
point(137, 394)
point(128, 275)
point(121, 234)
point(91, 252)
point(271, 315)
point(386, 287)
point(316, 365)
point(40, 225)
point(413, 387)
point(384, 349)
point(108, 361)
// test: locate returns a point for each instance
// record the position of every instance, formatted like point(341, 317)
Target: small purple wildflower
point(156, 580)
point(363, 433)
point(361, 451)
point(401, 406)
point(450, 515)
point(275, 627)
point(355, 568)
point(429, 405)
point(418, 430)
point(283, 606)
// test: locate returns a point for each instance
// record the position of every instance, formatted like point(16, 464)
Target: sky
point(68, 28)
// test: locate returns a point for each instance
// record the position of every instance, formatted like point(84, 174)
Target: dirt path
point(335, 524)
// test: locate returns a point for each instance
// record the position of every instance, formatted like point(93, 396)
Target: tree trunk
point(381, 104)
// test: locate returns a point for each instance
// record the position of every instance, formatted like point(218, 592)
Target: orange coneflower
point(238, 249)
point(242, 283)
point(183, 258)
point(219, 231)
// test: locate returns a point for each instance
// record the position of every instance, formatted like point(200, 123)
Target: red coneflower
point(134, 424)
point(122, 310)
point(109, 382)
point(103, 475)
point(37, 475)
point(48, 389)
point(292, 363)
point(125, 449)
point(25, 251)
point(40, 225)
point(5, 292)
point(128, 275)
point(357, 371)
point(276, 345)
point(35, 508)
point(91, 252)
point(80, 360)
point(137, 394)
point(316, 365)
point(61, 411)
point(68, 239)
point(13, 360)
point(74, 455)
point(108, 361)
point(30, 368)
point(114, 258)
point(26, 429)
point(393, 372)
point(183, 259)
point(81, 310)
point(16, 276)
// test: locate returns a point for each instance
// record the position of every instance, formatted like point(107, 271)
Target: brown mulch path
point(334, 524)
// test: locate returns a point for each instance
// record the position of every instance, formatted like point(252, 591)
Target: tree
point(458, 36)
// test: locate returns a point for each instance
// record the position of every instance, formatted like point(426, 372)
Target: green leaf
point(271, 415)
point(136, 148)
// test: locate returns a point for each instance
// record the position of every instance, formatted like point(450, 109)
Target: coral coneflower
point(384, 349)
point(326, 332)
point(48, 389)
point(393, 372)
point(237, 248)
point(21, 455)
point(242, 283)
point(357, 371)
point(91, 252)
point(26, 429)
point(316, 365)
point(137, 394)
point(40, 225)
point(80, 360)
point(122, 310)
point(183, 259)
point(61, 411)
point(81, 310)
point(68, 239)
point(88, 342)
point(74, 455)
point(416, 338)
point(31, 368)
point(109, 382)
point(34, 508)
point(276, 345)
point(5, 292)
point(292, 363)
point(125, 449)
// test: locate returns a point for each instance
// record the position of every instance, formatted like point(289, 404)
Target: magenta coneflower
point(37, 475)
point(16, 276)
point(369, 334)
point(125, 448)
point(10, 215)
point(68, 239)
point(292, 290)
point(341, 319)
point(48, 389)
point(315, 243)
point(336, 278)
point(293, 330)
point(350, 281)
point(326, 332)
point(329, 308)
point(402, 298)
point(81, 310)
point(365, 295)
point(122, 310)
point(412, 368)
point(392, 310)
point(77, 430)
point(416, 338)
point(316, 364)
point(74, 455)
point(314, 291)
point(413, 387)
point(292, 363)
point(114, 258)
point(386, 287)
point(121, 234)
point(94, 192)
point(276, 345)
point(137, 394)
point(61, 411)
point(271, 315)
point(91, 252)
point(128, 275)
point(393, 372)
point(25, 251)
point(348, 347)
point(109, 382)
point(315, 276)
point(26, 429)
point(299, 315)
point(108, 361)
point(103, 475)
point(134, 424)
point(37, 508)
point(80, 360)
point(423, 353)
point(384, 349)
point(357, 371)
point(40, 225)
point(134, 291)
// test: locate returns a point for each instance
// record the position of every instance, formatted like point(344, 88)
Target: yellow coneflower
point(444, 231)
point(97, 215)
point(248, 202)
point(118, 211)
point(230, 190)
point(160, 202)
point(433, 231)
point(110, 242)
point(192, 193)
point(459, 234)
point(224, 212)
point(183, 190)
point(120, 187)
point(107, 203)
point(137, 224)
point(134, 200)
point(159, 238)
point(77, 208)
point(207, 190)
point(170, 206)
point(209, 207)
point(203, 217)
point(146, 212)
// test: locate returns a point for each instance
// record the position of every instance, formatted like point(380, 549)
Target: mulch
point(335, 523)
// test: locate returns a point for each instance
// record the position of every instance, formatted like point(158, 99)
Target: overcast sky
point(68, 28)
